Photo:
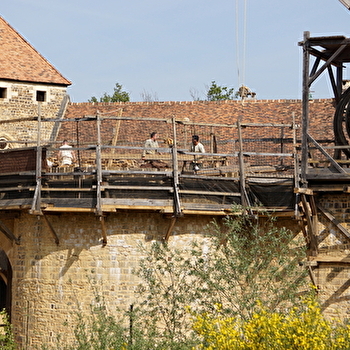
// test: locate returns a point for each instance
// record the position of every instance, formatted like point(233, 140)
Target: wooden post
point(177, 206)
point(78, 143)
point(244, 197)
point(98, 166)
point(57, 241)
point(282, 143)
point(334, 221)
point(305, 109)
point(8, 233)
point(296, 169)
point(310, 226)
point(36, 204)
point(170, 228)
point(339, 81)
point(104, 231)
point(115, 137)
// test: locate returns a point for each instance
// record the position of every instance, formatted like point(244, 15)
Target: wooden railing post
point(36, 204)
point(244, 196)
point(305, 109)
point(98, 166)
point(177, 206)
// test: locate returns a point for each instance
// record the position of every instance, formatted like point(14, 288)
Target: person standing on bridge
point(66, 155)
point(152, 148)
point(152, 144)
point(196, 147)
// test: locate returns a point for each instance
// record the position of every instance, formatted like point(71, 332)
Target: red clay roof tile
point(20, 61)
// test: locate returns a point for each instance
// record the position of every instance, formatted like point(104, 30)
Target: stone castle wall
point(50, 282)
point(332, 271)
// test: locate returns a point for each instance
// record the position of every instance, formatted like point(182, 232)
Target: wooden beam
point(312, 276)
point(115, 137)
point(303, 190)
point(52, 230)
point(69, 210)
point(327, 63)
point(104, 231)
point(305, 109)
point(211, 193)
point(141, 188)
point(332, 161)
point(177, 205)
point(334, 221)
point(327, 176)
point(205, 212)
point(170, 228)
point(99, 166)
point(330, 259)
point(310, 225)
point(8, 233)
point(64, 189)
point(36, 207)
point(242, 178)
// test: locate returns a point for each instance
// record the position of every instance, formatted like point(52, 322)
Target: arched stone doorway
point(5, 282)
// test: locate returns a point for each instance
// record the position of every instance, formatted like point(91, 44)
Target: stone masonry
point(20, 103)
point(51, 282)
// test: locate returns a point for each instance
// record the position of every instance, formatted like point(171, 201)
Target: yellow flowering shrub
point(305, 329)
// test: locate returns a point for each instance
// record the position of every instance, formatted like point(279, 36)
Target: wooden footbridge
point(111, 177)
point(271, 166)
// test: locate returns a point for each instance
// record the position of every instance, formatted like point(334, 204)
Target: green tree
point(242, 263)
point(218, 93)
point(119, 95)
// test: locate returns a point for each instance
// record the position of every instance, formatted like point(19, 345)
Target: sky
point(171, 50)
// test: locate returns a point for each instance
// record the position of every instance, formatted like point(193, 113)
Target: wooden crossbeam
point(104, 230)
point(170, 228)
point(8, 233)
point(322, 150)
point(52, 230)
point(311, 224)
point(334, 221)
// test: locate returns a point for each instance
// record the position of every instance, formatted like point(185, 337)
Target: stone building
point(61, 227)
point(29, 86)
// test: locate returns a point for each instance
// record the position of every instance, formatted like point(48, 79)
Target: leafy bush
point(304, 328)
point(240, 260)
point(7, 341)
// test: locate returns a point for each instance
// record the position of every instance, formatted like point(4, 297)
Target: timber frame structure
point(285, 176)
point(110, 176)
point(324, 167)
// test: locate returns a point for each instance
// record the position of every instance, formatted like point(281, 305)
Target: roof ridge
point(194, 102)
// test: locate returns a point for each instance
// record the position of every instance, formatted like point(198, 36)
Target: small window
point(41, 96)
point(3, 92)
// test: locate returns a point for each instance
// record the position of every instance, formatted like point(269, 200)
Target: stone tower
point(29, 85)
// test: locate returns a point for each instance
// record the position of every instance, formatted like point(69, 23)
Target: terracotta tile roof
point(195, 112)
point(20, 61)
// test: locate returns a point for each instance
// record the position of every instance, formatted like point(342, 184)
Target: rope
point(244, 39)
point(241, 66)
point(237, 42)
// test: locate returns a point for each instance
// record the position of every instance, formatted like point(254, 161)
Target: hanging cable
point(244, 41)
point(241, 54)
point(237, 42)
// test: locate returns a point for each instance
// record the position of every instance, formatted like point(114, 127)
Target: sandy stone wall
point(51, 282)
point(332, 270)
